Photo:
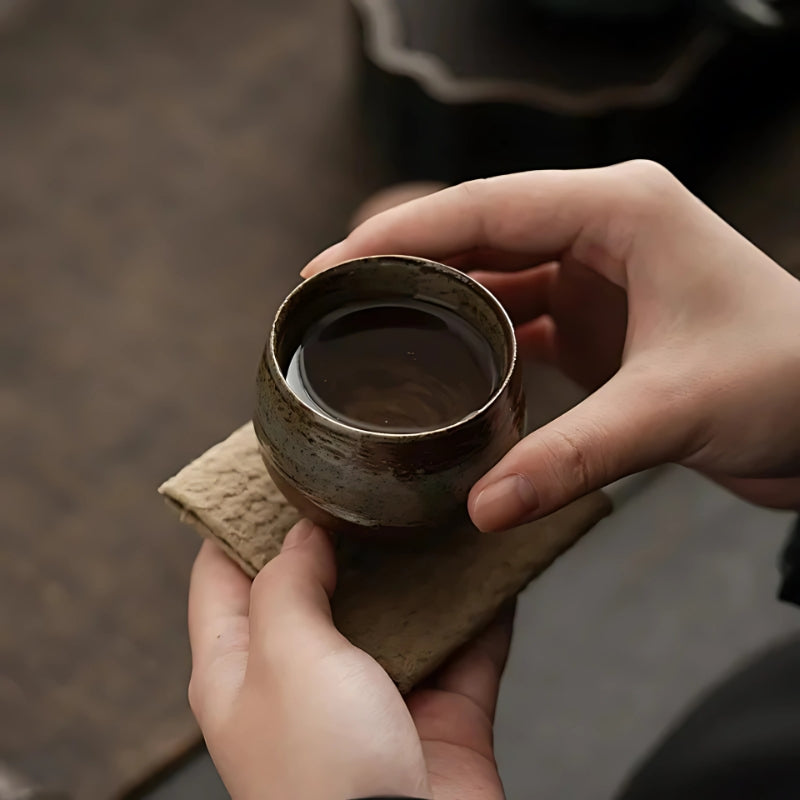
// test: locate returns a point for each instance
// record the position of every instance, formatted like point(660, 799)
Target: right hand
point(688, 335)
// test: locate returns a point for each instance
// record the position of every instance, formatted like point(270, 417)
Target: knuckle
point(647, 185)
point(474, 194)
point(569, 457)
point(473, 189)
point(647, 172)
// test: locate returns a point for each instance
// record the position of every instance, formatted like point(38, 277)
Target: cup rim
point(386, 436)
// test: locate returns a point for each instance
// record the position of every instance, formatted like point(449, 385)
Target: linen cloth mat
point(408, 605)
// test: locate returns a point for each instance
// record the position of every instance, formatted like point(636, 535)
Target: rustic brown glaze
point(353, 480)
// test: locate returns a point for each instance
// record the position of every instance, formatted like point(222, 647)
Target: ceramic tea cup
point(350, 479)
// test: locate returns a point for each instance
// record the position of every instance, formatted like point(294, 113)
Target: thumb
point(628, 424)
point(291, 595)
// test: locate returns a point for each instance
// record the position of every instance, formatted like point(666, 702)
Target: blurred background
point(166, 169)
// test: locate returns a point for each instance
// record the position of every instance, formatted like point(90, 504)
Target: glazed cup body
point(353, 480)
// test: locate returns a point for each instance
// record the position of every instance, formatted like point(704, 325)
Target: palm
point(454, 715)
point(457, 744)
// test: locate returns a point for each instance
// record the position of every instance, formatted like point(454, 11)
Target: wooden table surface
point(166, 170)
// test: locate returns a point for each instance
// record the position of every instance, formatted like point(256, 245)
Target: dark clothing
point(790, 569)
point(742, 742)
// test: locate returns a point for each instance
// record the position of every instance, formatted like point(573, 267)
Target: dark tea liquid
point(399, 367)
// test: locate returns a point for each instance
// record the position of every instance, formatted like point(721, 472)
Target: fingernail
point(323, 256)
point(298, 534)
point(504, 503)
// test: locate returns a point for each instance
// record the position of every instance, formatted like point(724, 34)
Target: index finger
point(542, 214)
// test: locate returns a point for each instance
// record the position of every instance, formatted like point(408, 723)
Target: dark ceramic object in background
point(352, 480)
point(757, 14)
point(458, 90)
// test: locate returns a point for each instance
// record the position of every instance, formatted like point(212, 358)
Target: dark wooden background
point(166, 168)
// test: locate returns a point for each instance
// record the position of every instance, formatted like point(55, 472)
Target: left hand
point(289, 708)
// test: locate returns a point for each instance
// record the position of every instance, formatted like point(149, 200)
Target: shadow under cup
point(351, 479)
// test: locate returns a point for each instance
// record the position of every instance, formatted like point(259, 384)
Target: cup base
point(323, 518)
